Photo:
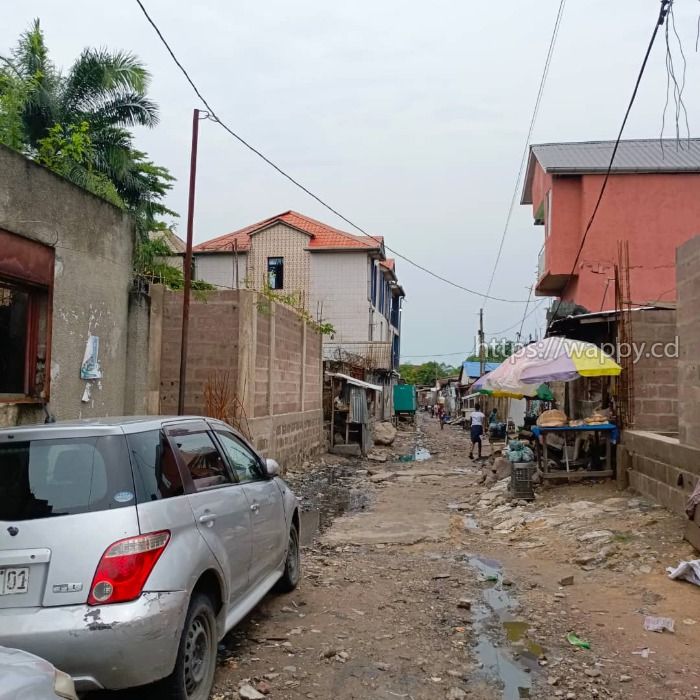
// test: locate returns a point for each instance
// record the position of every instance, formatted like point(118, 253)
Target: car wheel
point(193, 676)
point(292, 565)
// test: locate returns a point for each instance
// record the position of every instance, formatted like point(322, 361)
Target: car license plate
point(14, 581)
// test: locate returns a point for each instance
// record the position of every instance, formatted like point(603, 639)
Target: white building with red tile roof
point(341, 278)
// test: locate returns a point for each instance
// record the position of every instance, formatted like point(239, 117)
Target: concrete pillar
point(155, 349)
point(247, 347)
point(302, 383)
point(271, 362)
point(135, 391)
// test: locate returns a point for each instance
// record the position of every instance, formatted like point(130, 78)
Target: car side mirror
point(272, 468)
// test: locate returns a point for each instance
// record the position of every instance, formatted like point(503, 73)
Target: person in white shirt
point(477, 430)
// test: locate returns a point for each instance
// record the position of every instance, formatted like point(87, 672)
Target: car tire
point(292, 564)
point(193, 676)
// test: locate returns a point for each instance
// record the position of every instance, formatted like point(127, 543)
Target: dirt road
point(432, 585)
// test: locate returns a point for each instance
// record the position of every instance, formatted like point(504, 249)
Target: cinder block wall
point(273, 361)
point(655, 377)
point(688, 286)
point(661, 468)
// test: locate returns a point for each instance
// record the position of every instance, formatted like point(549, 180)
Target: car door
point(266, 506)
point(220, 506)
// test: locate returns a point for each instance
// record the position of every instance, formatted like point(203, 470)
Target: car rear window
point(156, 473)
point(48, 478)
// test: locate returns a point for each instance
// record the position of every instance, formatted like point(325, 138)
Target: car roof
point(92, 427)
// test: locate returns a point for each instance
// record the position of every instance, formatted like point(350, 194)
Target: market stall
point(565, 448)
point(580, 450)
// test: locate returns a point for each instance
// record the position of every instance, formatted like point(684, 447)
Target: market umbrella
point(548, 360)
point(529, 391)
point(563, 359)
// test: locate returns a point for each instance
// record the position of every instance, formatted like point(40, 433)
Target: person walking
point(477, 430)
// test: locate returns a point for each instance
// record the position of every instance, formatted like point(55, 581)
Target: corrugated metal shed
point(633, 156)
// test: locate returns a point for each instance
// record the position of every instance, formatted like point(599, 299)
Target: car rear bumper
point(112, 646)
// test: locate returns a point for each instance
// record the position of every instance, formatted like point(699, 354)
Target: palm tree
point(105, 91)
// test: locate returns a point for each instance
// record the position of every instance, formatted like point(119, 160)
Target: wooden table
point(608, 430)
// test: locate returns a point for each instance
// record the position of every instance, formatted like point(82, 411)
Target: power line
point(490, 335)
point(442, 354)
point(665, 6)
point(522, 323)
point(302, 187)
point(510, 328)
point(523, 158)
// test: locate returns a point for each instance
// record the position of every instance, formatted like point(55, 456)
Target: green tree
point(78, 123)
point(495, 353)
point(426, 373)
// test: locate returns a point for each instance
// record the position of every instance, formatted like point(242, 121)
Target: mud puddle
point(420, 454)
point(326, 494)
point(503, 648)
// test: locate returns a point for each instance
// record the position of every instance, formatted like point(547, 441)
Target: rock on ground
point(384, 433)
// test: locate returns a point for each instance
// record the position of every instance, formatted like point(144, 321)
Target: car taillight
point(125, 567)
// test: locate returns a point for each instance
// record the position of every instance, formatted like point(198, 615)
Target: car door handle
point(254, 507)
point(207, 519)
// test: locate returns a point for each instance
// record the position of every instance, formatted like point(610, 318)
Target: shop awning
point(355, 382)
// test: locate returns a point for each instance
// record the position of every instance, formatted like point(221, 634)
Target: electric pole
point(482, 349)
point(527, 303)
point(188, 267)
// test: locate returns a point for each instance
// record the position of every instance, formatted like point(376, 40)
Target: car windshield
point(47, 478)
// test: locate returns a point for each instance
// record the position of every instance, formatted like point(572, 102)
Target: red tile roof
point(323, 237)
point(389, 264)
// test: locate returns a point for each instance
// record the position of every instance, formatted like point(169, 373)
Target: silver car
point(130, 546)
point(28, 677)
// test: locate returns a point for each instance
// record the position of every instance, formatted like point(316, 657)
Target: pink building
point(652, 200)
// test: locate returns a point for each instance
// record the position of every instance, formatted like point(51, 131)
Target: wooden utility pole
point(188, 267)
point(482, 349)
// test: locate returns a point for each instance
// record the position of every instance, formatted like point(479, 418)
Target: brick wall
point(212, 347)
point(272, 358)
point(688, 290)
point(287, 368)
point(660, 467)
point(655, 378)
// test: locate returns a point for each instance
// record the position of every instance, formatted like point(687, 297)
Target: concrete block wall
point(656, 378)
point(262, 364)
point(661, 468)
point(688, 317)
point(212, 348)
point(313, 378)
point(273, 360)
point(287, 368)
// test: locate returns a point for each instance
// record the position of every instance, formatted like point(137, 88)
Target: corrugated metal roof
point(355, 382)
point(633, 156)
point(473, 369)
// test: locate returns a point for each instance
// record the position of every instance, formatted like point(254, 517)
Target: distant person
point(477, 430)
point(493, 416)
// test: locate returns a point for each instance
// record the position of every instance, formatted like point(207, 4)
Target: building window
point(275, 273)
point(373, 276)
point(23, 328)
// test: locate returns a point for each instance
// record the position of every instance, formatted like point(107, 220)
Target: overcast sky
point(409, 117)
